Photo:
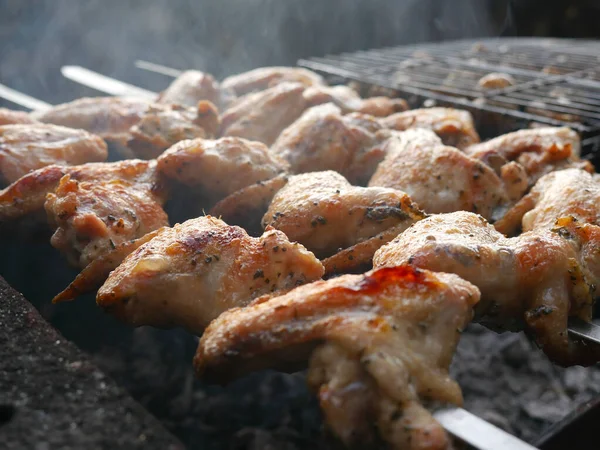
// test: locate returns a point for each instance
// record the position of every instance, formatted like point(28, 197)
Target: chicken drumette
point(535, 281)
point(193, 86)
point(384, 341)
point(267, 77)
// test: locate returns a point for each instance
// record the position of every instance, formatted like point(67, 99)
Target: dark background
point(229, 36)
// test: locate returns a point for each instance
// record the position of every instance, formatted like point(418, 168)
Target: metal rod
point(103, 83)
point(24, 100)
point(158, 68)
point(584, 330)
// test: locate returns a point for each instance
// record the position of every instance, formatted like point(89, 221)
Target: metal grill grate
point(557, 81)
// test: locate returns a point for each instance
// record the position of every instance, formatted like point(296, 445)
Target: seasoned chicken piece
point(496, 80)
point(441, 178)
point(266, 77)
point(26, 147)
point(538, 150)
point(569, 192)
point(9, 116)
point(325, 213)
point(323, 139)
point(348, 100)
point(535, 281)
point(189, 274)
point(389, 335)
point(114, 119)
point(220, 167)
point(454, 126)
point(193, 86)
point(262, 116)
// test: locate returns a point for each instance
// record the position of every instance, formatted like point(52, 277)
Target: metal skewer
point(18, 98)
point(158, 68)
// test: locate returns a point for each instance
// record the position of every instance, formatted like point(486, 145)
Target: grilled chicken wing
point(263, 115)
point(569, 192)
point(454, 126)
point(389, 334)
point(535, 281)
point(27, 147)
point(115, 119)
point(325, 213)
point(348, 100)
point(189, 274)
point(441, 178)
point(268, 77)
point(538, 150)
point(323, 139)
point(193, 86)
point(9, 116)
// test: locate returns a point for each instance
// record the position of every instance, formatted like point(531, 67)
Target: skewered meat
point(189, 274)
point(193, 86)
point(348, 100)
point(443, 179)
point(389, 334)
point(263, 115)
point(535, 281)
point(569, 192)
point(454, 126)
point(323, 139)
point(27, 147)
point(115, 120)
point(9, 116)
point(539, 150)
point(268, 77)
point(220, 167)
point(325, 213)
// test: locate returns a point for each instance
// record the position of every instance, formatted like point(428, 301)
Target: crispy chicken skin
point(454, 126)
point(115, 119)
point(323, 139)
point(9, 117)
point(193, 86)
point(266, 77)
point(27, 147)
point(263, 115)
point(389, 335)
point(535, 281)
point(325, 213)
point(440, 178)
point(220, 167)
point(569, 192)
point(538, 150)
point(189, 274)
point(348, 100)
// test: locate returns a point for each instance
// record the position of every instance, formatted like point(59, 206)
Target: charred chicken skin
point(27, 147)
point(268, 77)
point(384, 341)
point(189, 274)
point(535, 281)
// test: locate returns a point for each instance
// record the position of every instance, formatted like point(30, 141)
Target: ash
point(505, 380)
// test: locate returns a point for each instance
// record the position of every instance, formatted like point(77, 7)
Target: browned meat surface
point(442, 179)
point(9, 116)
point(323, 139)
point(538, 150)
point(189, 274)
point(263, 115)
point(535, 281)
point(267, 77)
point(454, 126)
point(496, 80)
point(325, 213)
point(27, 147)
point(193, 86)
point(389, 336)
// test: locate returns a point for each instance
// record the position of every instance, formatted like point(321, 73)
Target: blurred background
point(230, 36)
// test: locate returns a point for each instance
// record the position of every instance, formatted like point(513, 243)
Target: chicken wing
point(9, 117)
point(189, 274)
point(569, 192)
point(535, 281)
point(389, 335)
point(454, 126)
point(538, 150)
point(323, 139)
point(27, 147)
point(441, 178)
point(267, 77)
point(325, 213)
point(263, 115)
point(193, 86)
